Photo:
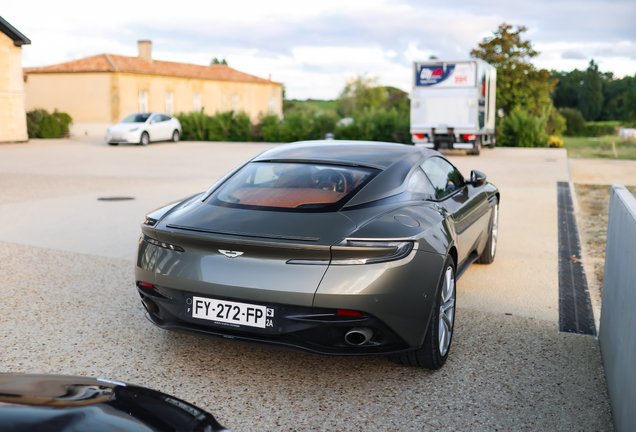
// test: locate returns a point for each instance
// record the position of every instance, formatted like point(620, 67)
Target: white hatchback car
point(143, 128)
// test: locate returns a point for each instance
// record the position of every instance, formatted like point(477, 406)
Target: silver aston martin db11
point(331, 247)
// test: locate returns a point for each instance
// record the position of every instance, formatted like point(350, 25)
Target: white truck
point(453, 104)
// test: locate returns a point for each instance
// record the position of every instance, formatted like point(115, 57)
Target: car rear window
point(292, 186)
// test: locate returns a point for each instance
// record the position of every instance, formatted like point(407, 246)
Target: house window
point(196, 102)
point(143, 101)
point(235, 102)
point(272, 105)
point(169, 103)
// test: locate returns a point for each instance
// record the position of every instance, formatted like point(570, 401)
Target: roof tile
point(117, 63)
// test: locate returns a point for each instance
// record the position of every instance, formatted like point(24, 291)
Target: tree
point(630, 102)
point(216, 61)
point(360, 93)
point(567, 92)
point(575, 121)
point(520, 85)
point(591, 102)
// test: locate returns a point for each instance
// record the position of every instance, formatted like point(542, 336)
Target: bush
point(65, 122)
point(49, 127)
point(193, 126)
point(298, 125)
point(226, 126)
point(574, 120)
point(377, 125)
point(556, 124)
point(520, 129)
point(41, 124)
point(33, 120)
point(598, 129)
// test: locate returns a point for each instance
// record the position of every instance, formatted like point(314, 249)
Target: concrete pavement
point(69, 306)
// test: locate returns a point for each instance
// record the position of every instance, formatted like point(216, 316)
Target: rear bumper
point(395, 298)
point(314, 330)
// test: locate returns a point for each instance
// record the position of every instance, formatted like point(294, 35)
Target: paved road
point(69, 305)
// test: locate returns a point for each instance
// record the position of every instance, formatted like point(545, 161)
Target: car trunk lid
point(237, 253)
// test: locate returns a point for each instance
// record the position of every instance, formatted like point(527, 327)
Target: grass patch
point(600, 148)
point(594, 204)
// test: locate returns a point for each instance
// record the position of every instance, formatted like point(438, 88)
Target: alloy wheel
point(446, 311)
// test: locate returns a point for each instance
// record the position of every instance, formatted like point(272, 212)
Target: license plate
point(232, 313)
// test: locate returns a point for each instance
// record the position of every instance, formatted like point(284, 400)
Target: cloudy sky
point(313, 47)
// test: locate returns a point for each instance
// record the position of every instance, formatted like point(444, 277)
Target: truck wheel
point(476, 147)
point(493, 142)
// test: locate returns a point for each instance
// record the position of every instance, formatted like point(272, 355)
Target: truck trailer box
point(453, 104)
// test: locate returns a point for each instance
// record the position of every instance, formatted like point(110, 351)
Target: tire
point(175, 136)
point(113, 144)
point(493, 142)
point(145, 139)
point(434, 351)
point(488, 255)
point(476, 150)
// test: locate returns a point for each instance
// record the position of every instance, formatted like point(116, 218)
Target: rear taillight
point(418, 136)
point(351, 251)
point(469, 137)
point(162, 244)
point(346, 312)
point(146, 285)
point(355, 252)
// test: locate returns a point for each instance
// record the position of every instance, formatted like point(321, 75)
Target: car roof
point(364, 153)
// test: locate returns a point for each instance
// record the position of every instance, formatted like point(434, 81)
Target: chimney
point(145, 50)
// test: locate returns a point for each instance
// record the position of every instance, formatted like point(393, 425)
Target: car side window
point(165, 117)
point(155, 119)
point(445, 177)
point(420, 187)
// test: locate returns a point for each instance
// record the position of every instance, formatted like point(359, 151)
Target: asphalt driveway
point(69, 305)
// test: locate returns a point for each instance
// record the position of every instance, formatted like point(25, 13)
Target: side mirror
point(477, 178)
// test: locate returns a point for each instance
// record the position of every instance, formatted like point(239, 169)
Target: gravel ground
point(69, 306)
point(69, 313)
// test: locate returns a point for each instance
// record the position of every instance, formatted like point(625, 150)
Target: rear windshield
point(292, 186)
point(136, 118)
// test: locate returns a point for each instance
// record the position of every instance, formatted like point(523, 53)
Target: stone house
point(101, 90)
point(13, 126)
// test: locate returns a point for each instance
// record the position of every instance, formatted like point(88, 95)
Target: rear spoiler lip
point(244, 234)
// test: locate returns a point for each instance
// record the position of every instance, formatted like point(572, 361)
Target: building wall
point(84, 96)
point(96, 100)
point(12, 112)
point(214, 96)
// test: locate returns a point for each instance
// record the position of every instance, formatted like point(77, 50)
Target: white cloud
point(313, 47)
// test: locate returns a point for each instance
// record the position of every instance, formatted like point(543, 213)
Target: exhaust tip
point(358, 336)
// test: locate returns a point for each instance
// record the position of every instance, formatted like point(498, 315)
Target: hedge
point(373, 125)
point(41, 124)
